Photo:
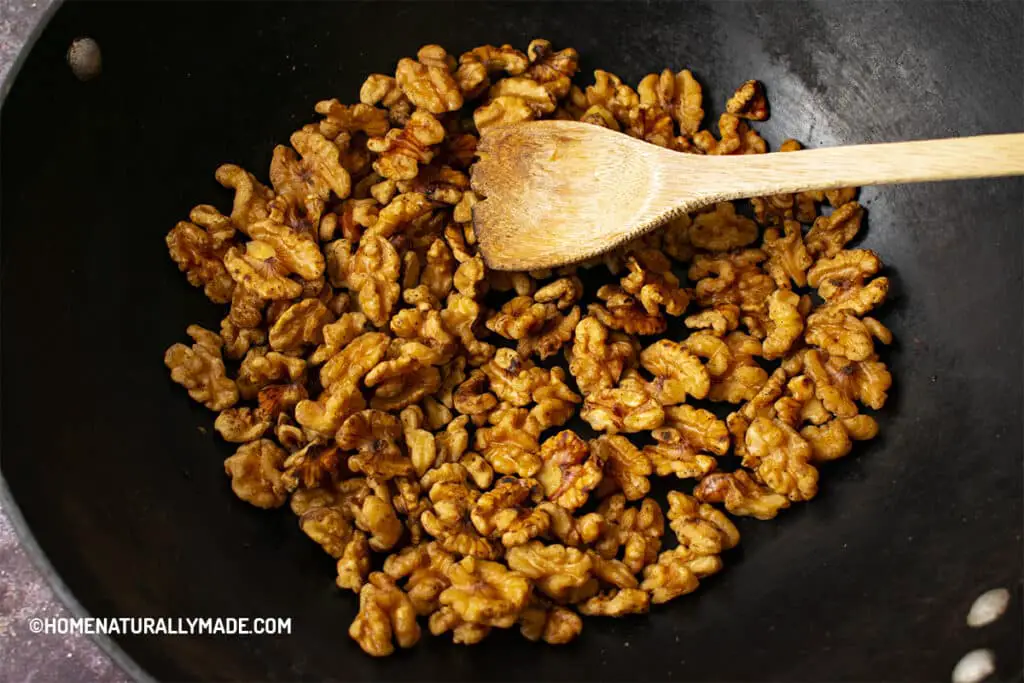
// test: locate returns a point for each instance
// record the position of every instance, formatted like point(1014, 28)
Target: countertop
point(24, 594)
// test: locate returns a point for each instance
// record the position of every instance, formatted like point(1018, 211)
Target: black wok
point(118, 475)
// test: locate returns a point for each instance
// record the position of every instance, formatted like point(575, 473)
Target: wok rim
point(22, 531)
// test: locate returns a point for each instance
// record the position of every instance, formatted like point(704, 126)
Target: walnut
point(300, 324)
point(829, 234)
point(328, 527)
point(377, 517)
point(508, 445)
point(255, 470)
point(511, 377)
point(373, 273)
point(688, 442)
point(477, 65)
point(470, 278)
point(261, 269)
point(261, 368)
point(719, 319)
point(785, 324)
point(199, 254)
point(737, 138)
point(677, 372)
point(326, 414)
point(295, 252)
point(400, 213)
point(552, 69)
point(521, 317)
point(463, 633)
point(251, 196)
point(621, 311)
point(486, 593)
point(629, 407)
point(741, 377)
point(637, 531)
point(426, 567)
point(840, 281)
point(610, 93)
point(839, 333)
point(459, 316)
point(749, 102)
point(551, 336)
point(788, 258)
point(384, 90)
point(617, 603)
point(402, 150)
point(722, 229)
point(596, 359)
point(668, 578)
point(428, 83)
point(624, 465)
point(448, 521)
point(200, 369)
point(406, 387)
point(678, 94)
point(832, 440)
point(839, 382)
point(573, 531)
point(737, 280)
point(702, 530)
point(354, 564)
point(499, 513)
point(651, 281)
point(555, 401)
point(385, 614)
point(337, 335)
point(555, 625)
point(561, 573)
point(362, 118)
point(355, 359)
point(741, 494)
point(375, 435)
point(569, 472)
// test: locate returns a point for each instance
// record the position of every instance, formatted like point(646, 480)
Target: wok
point(118, 475)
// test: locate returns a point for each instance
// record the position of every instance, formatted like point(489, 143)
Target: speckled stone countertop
point(24, 594)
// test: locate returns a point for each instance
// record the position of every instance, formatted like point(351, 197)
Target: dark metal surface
point(119, 475)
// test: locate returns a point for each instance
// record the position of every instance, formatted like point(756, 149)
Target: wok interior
point(119, 474)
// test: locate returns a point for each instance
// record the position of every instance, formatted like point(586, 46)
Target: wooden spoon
point(558, 192)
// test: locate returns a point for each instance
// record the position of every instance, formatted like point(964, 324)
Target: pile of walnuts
point(403, 400)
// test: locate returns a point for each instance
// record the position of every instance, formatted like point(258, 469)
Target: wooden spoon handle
point(735, 177)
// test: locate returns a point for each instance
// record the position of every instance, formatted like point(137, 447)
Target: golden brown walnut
point(373, 274)
point(625, 465)
point(400, 213)
point(296, 252)
point(513, 378)
point(677, 372)
point(839, 382)
point(597, 359)
point(463, 633)
point(354, 564)
point(479, 64)
point(840, 281)
point(573, 531)
point(653, 284)
point(838, 332)
point(722, 229)
point(328, 527)
point(555, 401)
point(668, 578)
point(200, 369)
point(261, 269)
point(508, 445)
point(629, 407)
point(486, 593)
point(569, 472)
point(384, 90)
point(741, 377)
point(337, 335)
point(733, 278)
point(686, 445)
point(246, 309)
point(386, 616)
point(552, 69)
point(251, 196)
point(255, 470)
point(448, 521)
point(470, 278)
point(428, 83)
point(741, 495)
point(460, 316)
point(749, 102)
point(375, 435)
point(832, 440)
point(355, 359)
point(426, 567)
point(637, 531)
point(521, 317)
point(617, 603)
point(377, 517)
point(788, 258)
point(261, 368)
point(620, 311)
point(719, 319)
point(785, 324)
point(401, 152)
point(473, 397)
point(737, 138)
point(829, 234)
point(361, 118)
point(703, 531)
point(678, 94)
point(553, 624)
point(552, 335)
point(559, 572)
point(610, 93)
point(300, 324)
point(501, 512)
point(198, 250)
point(325, 415)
